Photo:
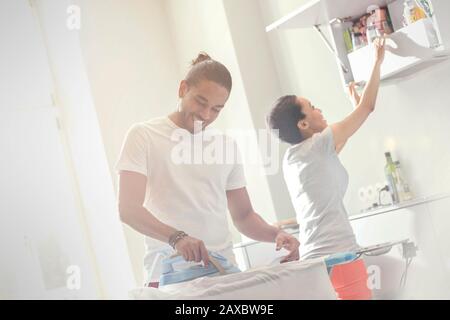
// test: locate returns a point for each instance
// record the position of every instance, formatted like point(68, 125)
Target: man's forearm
point(141, 220)
point(254, 227)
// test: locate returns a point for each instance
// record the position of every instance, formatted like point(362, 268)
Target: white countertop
point(369, 213)
point(402, 205)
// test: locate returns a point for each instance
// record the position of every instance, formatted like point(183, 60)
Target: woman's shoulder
point(298, 152)
point(309, 148)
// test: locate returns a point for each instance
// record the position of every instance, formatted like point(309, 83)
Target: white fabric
point(317, 182)
point(154, 270)
point(305, 280)
point(187, 196)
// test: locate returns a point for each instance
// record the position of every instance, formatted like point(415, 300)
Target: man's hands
point(288, 242)
point(192, 249)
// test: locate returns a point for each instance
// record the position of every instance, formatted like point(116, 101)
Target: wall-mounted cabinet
point(411, 47)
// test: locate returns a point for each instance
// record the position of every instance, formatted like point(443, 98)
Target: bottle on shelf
point(371, 28)
point(412, 12)
point(426, 6)
point(381, 18)
point(348, 40)
point(430, 27)
point(357, 41)
point(391, 177)
point(403, 189)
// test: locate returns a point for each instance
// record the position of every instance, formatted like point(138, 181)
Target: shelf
point(412, 51)
point(411, 70)
point(321, 12)
point(369, 213)
point(398, 206)
point(304, 17)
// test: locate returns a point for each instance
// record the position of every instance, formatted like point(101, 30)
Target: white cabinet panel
point(413, 42)
point(413, 45)
point(427, 225)
point(263, 253)
point(320, 12)
point(440, 216)
point(41, 229)
point(25, 79)
point(426, 276)
point(242, 260)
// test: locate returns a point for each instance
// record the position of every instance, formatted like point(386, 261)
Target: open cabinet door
point(45, 253)
point(43, 238)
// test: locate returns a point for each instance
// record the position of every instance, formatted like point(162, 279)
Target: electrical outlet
point(409, 250)
point(379, 186)
point(362, 194)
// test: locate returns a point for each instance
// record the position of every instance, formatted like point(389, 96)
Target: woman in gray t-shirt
point(316, 179)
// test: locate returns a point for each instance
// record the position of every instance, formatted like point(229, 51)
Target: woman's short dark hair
point(284, 117)
point(206, 68)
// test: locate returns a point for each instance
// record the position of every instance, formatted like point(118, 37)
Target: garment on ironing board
point(294, 280)
point(177, 269)
point(155, 267)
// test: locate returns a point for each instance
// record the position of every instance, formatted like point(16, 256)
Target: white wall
point(23, 54)
point(133, 77)
point(131, 64)
point(262, 87)
point(125, 64)
point(137, 52)
point(428, 276)
point(82, 134)
point(410, 120)
point(424, 224)
point(42, 220)
point(203, 25)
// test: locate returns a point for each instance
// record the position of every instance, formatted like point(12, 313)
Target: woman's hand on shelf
point(354, 95)
point(380, 49)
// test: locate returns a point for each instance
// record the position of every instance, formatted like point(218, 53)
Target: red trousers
point(350, 281)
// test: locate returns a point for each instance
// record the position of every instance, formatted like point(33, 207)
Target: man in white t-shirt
point(178, 202)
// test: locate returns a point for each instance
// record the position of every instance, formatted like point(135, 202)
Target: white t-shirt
point(182, 191)
point(317, 182)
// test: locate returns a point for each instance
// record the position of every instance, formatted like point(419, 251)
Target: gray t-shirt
point(317, 182)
